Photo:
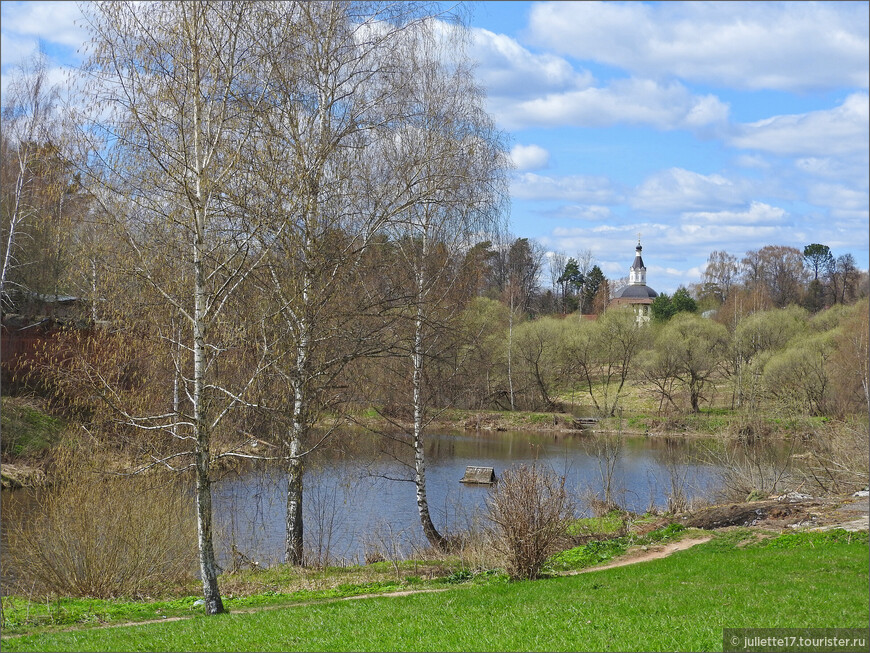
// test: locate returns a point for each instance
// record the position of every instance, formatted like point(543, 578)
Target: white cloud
point(838, 131)
point(16, 49)
point(57, 22)
point(576, 188)
point(508, 69)
point(758, 213)
point(752, 161)
point(590, 212)
point(747, 45)
point(844, 169)
point(838, 196)
point(678, 190)
point(624, 101)
point(529, 157)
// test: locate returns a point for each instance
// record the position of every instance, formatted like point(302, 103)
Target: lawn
point(677, 603)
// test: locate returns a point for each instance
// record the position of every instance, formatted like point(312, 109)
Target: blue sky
point(703, 126)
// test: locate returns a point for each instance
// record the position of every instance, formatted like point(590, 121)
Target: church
point(636, 294)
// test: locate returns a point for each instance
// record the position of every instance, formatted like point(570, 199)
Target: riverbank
point(708, 422)
point(30, 433)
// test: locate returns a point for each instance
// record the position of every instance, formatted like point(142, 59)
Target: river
point(354, 505)
point(359, 499)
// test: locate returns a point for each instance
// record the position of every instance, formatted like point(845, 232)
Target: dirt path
point(640, 555)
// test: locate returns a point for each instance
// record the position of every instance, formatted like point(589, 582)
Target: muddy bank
point(791, 510)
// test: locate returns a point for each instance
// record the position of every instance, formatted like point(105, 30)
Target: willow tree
point(451, 164)
point(173, 95)
point(602, 354)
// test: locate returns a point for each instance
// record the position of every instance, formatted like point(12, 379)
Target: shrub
point(93, 535)
point(529, 510)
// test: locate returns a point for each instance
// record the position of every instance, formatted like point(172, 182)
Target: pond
point(359, 499)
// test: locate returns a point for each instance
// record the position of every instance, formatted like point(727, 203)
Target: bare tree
point(777, 269)
point(34, 179)
point(585, 262)
point(556, 266)
point(173, 91)
point(720, 274)
point(329, 193)
point(529, 510)
point(453, 164)
point(844, 276)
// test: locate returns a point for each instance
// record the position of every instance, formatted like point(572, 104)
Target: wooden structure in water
point(583, 423)
point(478, 475)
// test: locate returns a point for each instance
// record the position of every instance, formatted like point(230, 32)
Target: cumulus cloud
point(590, 212)
point(575, 188)
point(844, 169)
point(752, 161)
point(679, 190)
point(758, 213)
point(623, 101)
point(838, 196)
point(16, 49)
point(58, 22)
point(529, 157)
point(838, 131)
point(746, 45)
point(507, 68)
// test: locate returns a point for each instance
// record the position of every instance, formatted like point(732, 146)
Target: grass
point(677, 603)
point(27, 429)
point(598, 551)
point(612, 522)
point(278, 585)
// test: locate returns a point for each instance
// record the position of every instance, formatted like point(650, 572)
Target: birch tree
point(173, 95)
point(452, 163)
point(35, 183)
point(328, 195)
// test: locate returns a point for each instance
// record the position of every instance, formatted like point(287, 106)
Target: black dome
point(636, 292)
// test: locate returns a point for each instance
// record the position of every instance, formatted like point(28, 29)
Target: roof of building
point(636, 291)
point(638, 259)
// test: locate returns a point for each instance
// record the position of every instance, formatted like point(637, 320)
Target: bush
point(92, 535)
point(529, 510)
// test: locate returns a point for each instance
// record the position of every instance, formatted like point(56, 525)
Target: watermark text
point(795, 640)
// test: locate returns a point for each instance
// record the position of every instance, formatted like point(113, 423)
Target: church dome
point(635, 291)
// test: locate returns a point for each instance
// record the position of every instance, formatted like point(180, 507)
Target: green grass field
point(677, 603)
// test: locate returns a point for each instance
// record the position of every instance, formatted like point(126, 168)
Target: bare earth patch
point(792, 510)
point(399, 593)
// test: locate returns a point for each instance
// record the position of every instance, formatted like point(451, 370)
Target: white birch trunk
point(432, 535)
point(207, 563)
point(13, 225)
point(294, 545)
